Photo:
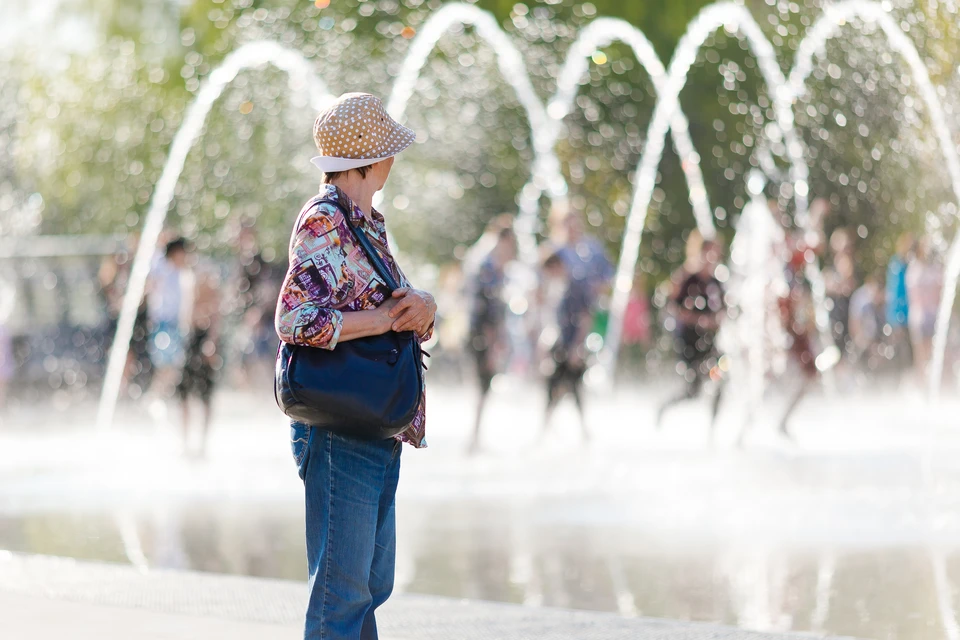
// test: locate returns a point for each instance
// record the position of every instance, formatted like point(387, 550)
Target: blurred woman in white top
point(924, 281)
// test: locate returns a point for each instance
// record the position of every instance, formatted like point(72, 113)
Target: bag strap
point(368, 249)
point(377, 263)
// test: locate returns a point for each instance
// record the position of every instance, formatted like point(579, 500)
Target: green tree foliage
point(93, 125)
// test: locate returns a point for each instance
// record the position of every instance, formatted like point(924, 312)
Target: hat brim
point(328, 164)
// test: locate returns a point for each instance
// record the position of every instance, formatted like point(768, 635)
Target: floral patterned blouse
point(329, 273)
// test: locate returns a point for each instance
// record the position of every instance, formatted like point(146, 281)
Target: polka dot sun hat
point(356, 131)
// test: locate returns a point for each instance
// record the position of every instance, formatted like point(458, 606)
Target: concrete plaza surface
point(852, 530)
point(43, 597)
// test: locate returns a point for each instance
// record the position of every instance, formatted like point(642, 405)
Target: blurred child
point(924, 283)
point(202, 360)
point(697, 306)
point(566, 364)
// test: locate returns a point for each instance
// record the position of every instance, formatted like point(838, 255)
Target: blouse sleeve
point(312, 288)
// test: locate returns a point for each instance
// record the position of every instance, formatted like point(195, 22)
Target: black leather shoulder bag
point(368, 388)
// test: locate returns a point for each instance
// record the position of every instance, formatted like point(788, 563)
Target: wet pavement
point(851, 531)
point(46, 598)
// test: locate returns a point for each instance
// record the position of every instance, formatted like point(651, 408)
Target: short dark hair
point(553, 260)
point(177, 244)
point(330, 176)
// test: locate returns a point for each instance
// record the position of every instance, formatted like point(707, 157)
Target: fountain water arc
point(711, 18)
point(601, 33)
point(546, 124)
point(255, 54)
point(545, 130)
point(785, 93)
point(546, 166)
point(827, 27)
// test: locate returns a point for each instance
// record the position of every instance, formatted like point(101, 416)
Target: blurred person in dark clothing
point(258, 284)
point(566, 364)
point(840, 282)
point(697, 307)
point(583, 255)
point(481, 249)
point(202, 359)
point(487, 333)
point(114, 276)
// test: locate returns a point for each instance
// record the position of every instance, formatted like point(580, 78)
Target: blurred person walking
point(202, 361)
point(334, 293)
point(113, 276)
point(866, 324)
point(924, 283)
point(697, 308)
point(898, 304)
point(840, 282)
point(797, 315)
point(257, 284)
point(583, 255)
point(488, 313)
point(170, 290)
point(565, 338)
point(480, 250)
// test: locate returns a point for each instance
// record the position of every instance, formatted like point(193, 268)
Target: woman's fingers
point(413, 311)
point(420, 324)
point(403, 322)
point(405, 303)
point(410, 321)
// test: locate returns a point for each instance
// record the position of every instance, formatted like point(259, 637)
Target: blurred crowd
point(551, 323)
point(196, 313)
point(544, 320)
point(719, 314)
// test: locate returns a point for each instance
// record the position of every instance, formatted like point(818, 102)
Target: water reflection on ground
point(885, 592)
point(848, 533)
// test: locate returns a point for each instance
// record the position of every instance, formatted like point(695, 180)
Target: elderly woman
point(332, 294)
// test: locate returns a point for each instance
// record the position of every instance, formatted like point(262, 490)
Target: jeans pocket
point(299, 441)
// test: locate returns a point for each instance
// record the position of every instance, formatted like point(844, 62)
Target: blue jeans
point(350, 486)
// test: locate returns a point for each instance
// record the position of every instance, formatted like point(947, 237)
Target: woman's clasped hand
point(414, 310)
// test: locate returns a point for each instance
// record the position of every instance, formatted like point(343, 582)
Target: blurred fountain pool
point(834, 534)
